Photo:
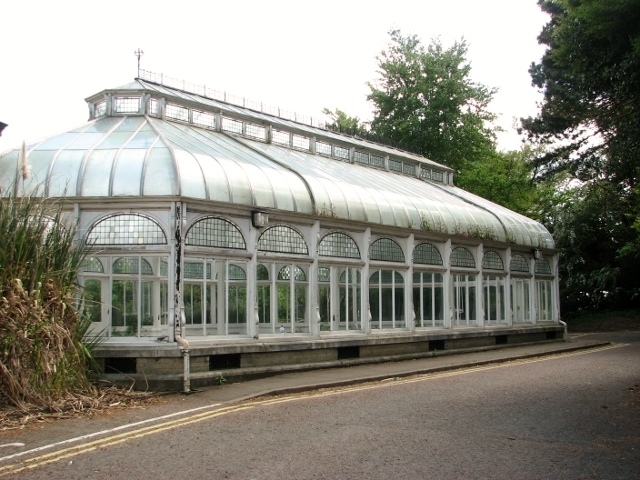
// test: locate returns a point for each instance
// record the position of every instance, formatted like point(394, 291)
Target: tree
point(425, 101)
point(344, 123)
point(590, 77)
point(590, 119)
point(595, 272)
point(506, 178)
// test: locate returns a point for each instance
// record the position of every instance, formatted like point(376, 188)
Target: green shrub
point(43, 361)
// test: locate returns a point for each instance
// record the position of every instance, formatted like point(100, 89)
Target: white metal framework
point(164, 184)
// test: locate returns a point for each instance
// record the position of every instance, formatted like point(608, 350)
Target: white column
point(252, 283)
point(220, 272)
point(447, 286)
point(533, 291)
point(480, 306)
point(314, 307)
point(364, 297)
point(292, 297)
point(508, 308)
point(556, 288)
point(408, 294)
point(334, 295)
point(274, 296)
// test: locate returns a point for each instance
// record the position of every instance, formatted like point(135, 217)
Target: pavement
point(177, 405)
point(336, 377)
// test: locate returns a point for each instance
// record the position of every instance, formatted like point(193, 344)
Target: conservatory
point(242, 230)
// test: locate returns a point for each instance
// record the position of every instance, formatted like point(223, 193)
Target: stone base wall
point(161, 368)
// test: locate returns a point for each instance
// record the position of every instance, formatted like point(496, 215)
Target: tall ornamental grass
point(43, 362)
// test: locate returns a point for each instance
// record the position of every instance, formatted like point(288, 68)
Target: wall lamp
point(259, 219)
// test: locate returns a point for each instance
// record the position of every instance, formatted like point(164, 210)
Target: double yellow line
point(41, 460)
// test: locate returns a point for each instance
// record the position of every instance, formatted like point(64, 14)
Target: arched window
point(236, 272)
point(262, 273)
point(340, 298)
point(461, 257)
point(386, 250)
point(129, 266)
point(93, 265)
point(519, 264)
point(290, 297)
point(426, 254)
point(542, 267)
point(324, 275)
point(215, 232)
point(133, 309)
point(492, 261)
point(126, 229)
point(264, 299)
point(339, 245)
point(282, 239)
point(285, 274)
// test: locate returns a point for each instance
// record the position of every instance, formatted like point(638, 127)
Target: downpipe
point(184, 349)
point(565, 335)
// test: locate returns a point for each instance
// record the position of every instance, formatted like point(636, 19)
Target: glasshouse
point(231, 236)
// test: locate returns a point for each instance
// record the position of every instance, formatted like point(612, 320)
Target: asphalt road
point(574, 416)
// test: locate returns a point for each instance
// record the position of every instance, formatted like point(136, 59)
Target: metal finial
point(138, 53)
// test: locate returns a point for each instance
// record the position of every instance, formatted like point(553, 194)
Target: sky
point(299, 56)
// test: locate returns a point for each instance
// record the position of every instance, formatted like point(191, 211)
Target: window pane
point(124, 308)
point(461, 257)
point(237, 306)
point(284, 304)
point(338, 245)
point(374, 304)
point(324, 302)
point(126, 229)
point(301, 308)
point(264, 304)
point(215, 232)
point(386, 249)
point(93, 299)
point(193, 304)
point(282, 239)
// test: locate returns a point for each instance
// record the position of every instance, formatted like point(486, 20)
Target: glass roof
point(135, 155)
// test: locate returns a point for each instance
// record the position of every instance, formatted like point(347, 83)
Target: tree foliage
point(597, 269)
point(506, 178)
point(590, 122)
point(345, 123)
point(425, 100)
point(590, 77)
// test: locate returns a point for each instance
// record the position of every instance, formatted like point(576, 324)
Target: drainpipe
point(180, 317)
point(565, 335)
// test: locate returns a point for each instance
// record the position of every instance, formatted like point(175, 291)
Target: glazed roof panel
point(134, 155)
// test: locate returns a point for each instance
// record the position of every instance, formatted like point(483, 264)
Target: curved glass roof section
point(133, 155)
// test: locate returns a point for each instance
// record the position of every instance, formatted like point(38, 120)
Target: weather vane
point(138, 53)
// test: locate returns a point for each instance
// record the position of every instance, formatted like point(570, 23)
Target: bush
point(43, 362)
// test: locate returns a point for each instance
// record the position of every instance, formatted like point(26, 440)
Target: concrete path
point(63, 448)
point(176, 405)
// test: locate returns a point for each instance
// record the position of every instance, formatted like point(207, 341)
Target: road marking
point(106, 432)
point(69, 452)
